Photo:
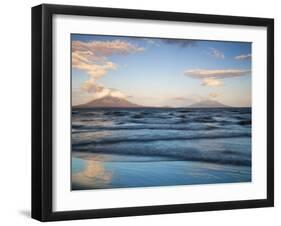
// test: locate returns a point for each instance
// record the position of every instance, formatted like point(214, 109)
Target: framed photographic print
point(145, 112)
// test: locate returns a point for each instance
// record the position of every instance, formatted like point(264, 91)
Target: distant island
point(208, 104)
point(109, 102)
point(116, 102)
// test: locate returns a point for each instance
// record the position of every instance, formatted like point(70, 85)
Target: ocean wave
point(87, 128)
point(208, 135)
point(170, 153)
point(143, 139)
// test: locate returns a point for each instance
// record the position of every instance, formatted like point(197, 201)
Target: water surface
point(115, 148)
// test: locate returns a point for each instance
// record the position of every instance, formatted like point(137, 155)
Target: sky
point(160, 72)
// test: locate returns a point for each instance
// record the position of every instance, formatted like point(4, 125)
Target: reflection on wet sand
point(93, 174)
point(210, 173)
point(103, 171)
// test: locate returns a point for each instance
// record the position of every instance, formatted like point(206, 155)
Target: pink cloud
point(218, 73)
point(213, 78)
point(213, 82)
point(105, 48)
point(92, 58)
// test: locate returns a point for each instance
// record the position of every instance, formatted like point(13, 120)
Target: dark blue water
point(137, 146)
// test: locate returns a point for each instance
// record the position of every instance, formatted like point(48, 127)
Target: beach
point(96, 171)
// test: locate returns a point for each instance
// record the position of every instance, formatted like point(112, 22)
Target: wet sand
point(101, 171)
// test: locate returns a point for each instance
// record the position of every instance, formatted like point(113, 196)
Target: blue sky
point(160, 72)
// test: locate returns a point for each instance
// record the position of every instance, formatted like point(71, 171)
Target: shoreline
point(106, 171)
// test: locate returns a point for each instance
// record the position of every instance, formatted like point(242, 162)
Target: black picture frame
point(42, 107)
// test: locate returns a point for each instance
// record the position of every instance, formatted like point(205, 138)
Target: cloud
point(170, 41)
point(244, 57)
point(213, 78)
point(105, 48)
point(92, 58)
point(212, 82)
point(99, 91)
point(180, 42)
point(217, 73)
point(94, 70)
point(216, 53)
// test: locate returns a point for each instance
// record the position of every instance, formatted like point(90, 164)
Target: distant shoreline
point(147, 107)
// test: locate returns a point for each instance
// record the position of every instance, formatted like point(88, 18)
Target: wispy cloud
point(92, 58)
point(213, 78)
point(217, 73)
point(216, 53)
point(182, 43)
point(243, 57)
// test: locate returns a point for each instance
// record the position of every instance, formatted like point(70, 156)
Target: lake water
point(120, 148)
